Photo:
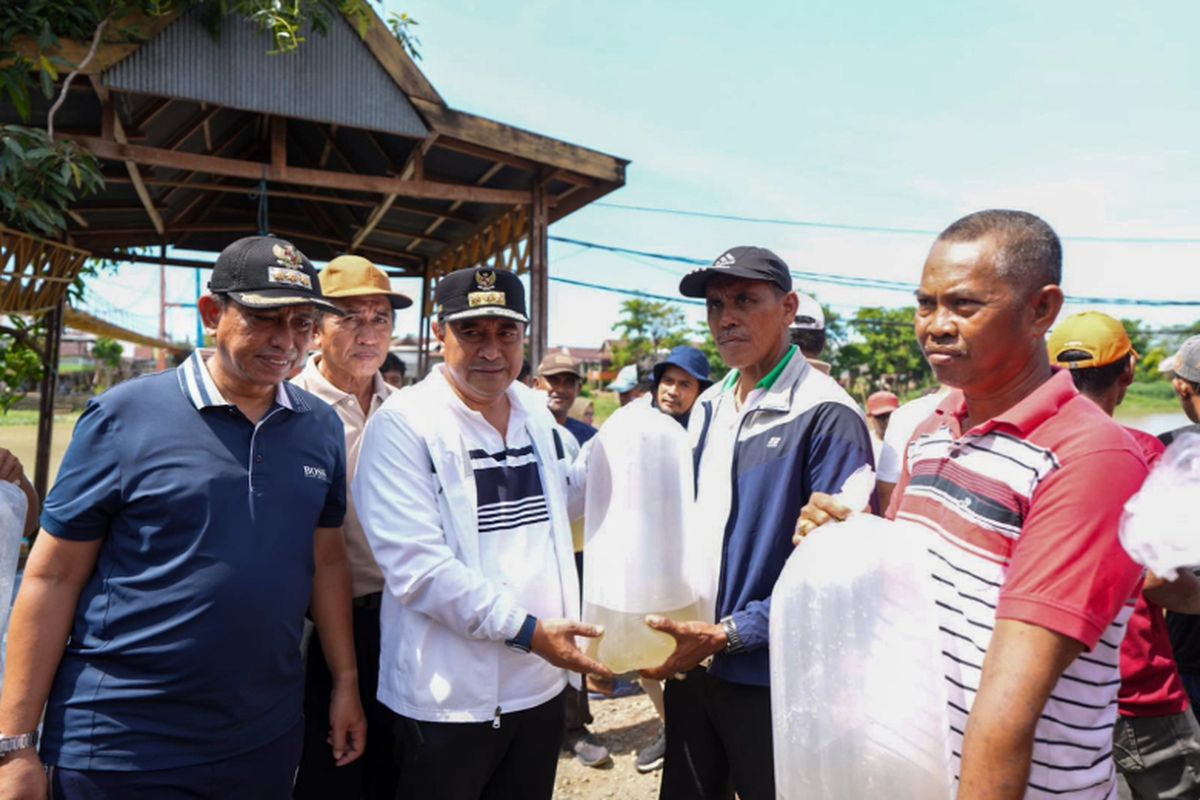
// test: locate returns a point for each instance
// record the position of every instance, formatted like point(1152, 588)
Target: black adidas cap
point(752, 263)
point(480, 292)
point(265, 272)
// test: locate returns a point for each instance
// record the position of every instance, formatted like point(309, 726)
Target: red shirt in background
point(1150, 684)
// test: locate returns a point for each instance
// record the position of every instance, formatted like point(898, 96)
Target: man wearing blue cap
point(773, 431)
point(678, 381)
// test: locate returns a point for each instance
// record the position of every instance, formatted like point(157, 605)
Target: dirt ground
point(624, 726)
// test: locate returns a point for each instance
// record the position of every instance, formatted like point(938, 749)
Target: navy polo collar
point(198, 386)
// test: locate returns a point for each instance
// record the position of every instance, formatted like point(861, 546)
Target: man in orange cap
point(1156, 742)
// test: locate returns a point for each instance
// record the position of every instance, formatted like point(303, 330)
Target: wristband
point(523, 641)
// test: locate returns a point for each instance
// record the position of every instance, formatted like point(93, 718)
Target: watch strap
point(11, 744)
point(523, 641)
point(733, 640)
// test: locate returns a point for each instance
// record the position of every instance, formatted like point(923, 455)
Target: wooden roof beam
point(420, 237)
point(157, 106)
point(230, 189)
point(486, 154)
point(110, 117)
point(535, 147)
point(189, 128)
point(376, 184)
point(484, 178)
point(231, 134)
point(413, 167)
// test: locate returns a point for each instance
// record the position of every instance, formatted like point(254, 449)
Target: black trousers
point(375, 774)
point(578, 712)
point(478, 761)
point(718, 740)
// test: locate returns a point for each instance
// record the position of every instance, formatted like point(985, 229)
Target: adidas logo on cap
point(725, 260)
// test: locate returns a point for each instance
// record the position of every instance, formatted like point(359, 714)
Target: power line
point(628, 292)
point(884, 229)
point(865, 283)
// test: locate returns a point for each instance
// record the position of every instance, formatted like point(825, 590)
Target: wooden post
point(278, 147)
point(41, 470)
point(539, 273)
point(423, 329)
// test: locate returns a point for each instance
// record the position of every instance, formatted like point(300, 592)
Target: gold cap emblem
point(288, 256)
point(485, 279)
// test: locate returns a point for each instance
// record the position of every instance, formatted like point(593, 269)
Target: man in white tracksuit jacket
point(462, 489)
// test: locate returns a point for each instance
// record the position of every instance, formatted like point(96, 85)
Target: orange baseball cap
point(1100, 336)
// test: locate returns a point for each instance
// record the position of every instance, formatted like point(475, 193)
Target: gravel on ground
point(624, 725)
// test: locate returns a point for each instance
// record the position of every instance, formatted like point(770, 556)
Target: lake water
point(1155, 423)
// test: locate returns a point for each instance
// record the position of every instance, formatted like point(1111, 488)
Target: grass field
point(18, 433)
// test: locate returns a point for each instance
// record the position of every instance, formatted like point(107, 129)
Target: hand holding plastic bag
point(857, 695)
point(13, 506)
point(636, 556)
point(1158, 529)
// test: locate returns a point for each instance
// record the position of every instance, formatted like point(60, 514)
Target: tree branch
point(62, 94)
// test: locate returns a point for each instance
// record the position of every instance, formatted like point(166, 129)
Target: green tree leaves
point(40, 179)
point(648, 328)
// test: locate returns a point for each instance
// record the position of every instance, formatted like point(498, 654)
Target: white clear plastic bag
point(858, 697)
point(637, 503)
point(13, 507)
point(1158, 529)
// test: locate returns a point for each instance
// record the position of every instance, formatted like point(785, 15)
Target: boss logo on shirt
point(317, 473)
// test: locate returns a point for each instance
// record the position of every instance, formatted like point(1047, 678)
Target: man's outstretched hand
point(694, 642)
point(554, 640)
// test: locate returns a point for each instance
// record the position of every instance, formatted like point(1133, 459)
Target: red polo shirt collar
point(1034, 409)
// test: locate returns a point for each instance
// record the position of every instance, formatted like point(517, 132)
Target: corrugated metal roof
point(331, 78)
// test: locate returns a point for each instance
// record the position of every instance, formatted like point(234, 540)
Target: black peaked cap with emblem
point(266, 272)
point(751, 263)
point(480, 292)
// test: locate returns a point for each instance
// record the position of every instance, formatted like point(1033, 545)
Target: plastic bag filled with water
point(858, 696)
point(1158, 529)
point(13, 506)
point(638, 498)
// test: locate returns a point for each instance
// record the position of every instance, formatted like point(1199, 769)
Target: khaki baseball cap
point(355, 276)
point(557, 364)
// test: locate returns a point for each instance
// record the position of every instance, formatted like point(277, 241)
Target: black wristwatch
point(523, 641)
point(733, 640)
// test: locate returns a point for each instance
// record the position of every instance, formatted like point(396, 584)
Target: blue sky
point(878, 114)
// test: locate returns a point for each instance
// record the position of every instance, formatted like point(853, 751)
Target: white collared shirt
point(364, 572)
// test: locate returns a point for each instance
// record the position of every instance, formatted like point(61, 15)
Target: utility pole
point(159, 352)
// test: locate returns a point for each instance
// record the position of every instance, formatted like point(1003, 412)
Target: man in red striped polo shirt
point(1023, 481)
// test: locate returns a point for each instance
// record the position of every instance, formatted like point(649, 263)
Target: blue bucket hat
point(688, 359)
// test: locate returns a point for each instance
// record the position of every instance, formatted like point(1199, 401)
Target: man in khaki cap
point(345, 374)
point(558, 375)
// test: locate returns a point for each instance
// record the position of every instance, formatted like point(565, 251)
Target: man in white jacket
point(462, 489)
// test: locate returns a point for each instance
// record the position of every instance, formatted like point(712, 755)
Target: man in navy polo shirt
point(196, 513)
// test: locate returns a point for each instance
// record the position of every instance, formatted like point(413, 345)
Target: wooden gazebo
point(342, 146)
